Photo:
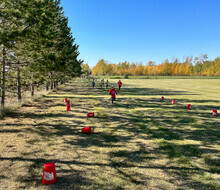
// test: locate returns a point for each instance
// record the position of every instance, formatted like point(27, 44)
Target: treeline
point(36, 46)
point(198, 66)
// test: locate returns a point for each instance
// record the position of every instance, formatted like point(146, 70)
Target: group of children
point(112, 91)
point(101, 84)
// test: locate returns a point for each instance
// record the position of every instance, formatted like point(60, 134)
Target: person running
point(119, 84)
point(107, 83)
point(112, 92)
point(93, 83)
point(100, 84)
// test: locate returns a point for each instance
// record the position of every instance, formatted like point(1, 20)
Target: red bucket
point(188, 106)
point(49, 174)
point(87, 130)
point(91, 114)
point(214, 113)
point(68, 105)
point(173, 101)
point(162, 98)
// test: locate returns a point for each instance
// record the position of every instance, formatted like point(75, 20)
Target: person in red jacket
point(112, 92)
point(119, 84)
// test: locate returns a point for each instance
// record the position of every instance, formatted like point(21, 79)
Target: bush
point(126, 76)
point(4, 112)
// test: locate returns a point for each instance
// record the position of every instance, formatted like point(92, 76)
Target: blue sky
point(144, 30)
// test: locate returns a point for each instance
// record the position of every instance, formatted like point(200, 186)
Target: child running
point(112, 92)
point(119, 84)
point(100, 84)
point(107, 83)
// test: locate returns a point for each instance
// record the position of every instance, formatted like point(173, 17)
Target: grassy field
point(140, 142)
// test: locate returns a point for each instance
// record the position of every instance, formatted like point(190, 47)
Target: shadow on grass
point(103, 139)
point(186, 152)
point(139, 156)
point(67, 178)
point(140, 124)
point(39, 115)
point(152, 91)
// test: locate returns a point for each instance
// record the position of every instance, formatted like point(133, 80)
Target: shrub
point(126, 76)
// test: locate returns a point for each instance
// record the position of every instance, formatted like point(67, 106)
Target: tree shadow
point(103, 139)
point(151, 91)
point(154, 125)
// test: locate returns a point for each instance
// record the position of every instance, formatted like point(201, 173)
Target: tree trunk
point(47, 86)
point(54, 84)
point(3, 78)
point(51, 85)
point(32, 85)
point(32, 89)
point(18, 84)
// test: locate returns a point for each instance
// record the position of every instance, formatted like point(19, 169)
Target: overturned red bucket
point(49, 174)
point(173, 101)
point(91, 114)
point(188, 106)
point(68, 105)
point(87, 130)
point(214, 113)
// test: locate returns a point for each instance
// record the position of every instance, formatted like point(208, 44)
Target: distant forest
point(197, 66)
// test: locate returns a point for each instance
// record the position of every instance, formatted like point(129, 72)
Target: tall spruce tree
point(36, 45)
